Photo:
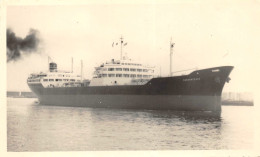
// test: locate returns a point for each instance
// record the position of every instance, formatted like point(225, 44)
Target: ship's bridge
point(122, 72)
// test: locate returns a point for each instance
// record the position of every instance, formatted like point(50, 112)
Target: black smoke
point(17, 46)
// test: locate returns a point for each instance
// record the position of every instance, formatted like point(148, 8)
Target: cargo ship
point(126, 84)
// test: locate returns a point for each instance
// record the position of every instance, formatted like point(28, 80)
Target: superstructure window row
point(131, 64)
point(60, 75)
point(57, 80)
point(35, 80)
point(127, 69)
point(125, 75)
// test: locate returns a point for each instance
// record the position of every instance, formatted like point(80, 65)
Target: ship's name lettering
point(191, 79)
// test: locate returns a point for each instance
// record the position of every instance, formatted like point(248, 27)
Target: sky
point(206, 34)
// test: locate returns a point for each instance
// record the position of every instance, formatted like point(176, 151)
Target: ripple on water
point(32, 127)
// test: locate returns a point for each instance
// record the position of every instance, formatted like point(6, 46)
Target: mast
point(121, 43)
point(71, 64)
point(49, 62)
point(171, 53)
point(160, 71)
point(81, 70)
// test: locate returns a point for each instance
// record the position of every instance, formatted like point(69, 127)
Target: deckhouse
point(122, 72)
point(55, 78)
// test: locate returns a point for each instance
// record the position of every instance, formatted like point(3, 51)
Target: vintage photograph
point(172, 75)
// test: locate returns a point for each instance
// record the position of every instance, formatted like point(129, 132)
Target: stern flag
point(119, 43)
point(172, 45)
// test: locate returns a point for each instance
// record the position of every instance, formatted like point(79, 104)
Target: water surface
point(33, 127)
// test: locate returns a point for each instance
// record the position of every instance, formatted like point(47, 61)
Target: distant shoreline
point(21, 96)
point(237, 103)
point(16, 94)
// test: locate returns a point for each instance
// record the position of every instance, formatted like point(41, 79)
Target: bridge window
point(45, 80)
point(132, 69)
point(126, 69)
point(111, 69)
point(139, 70)
point(72, 80)
point(118, 69)
point(104, 75)
point(51, 79)
point(111, 75)
point(139, 76)
point(133, 75)
point(145, 70)
point(118, 75)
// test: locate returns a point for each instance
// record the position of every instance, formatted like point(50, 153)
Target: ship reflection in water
point(33, 127)
point(188, 115)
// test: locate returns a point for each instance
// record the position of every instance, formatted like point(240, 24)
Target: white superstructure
point(122, 72)
point(55, 78)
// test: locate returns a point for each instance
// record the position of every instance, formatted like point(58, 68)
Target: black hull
point(199, 91)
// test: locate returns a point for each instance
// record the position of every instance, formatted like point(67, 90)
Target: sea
point(32, 127)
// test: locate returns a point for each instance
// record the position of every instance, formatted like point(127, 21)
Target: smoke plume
point(17, 46)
